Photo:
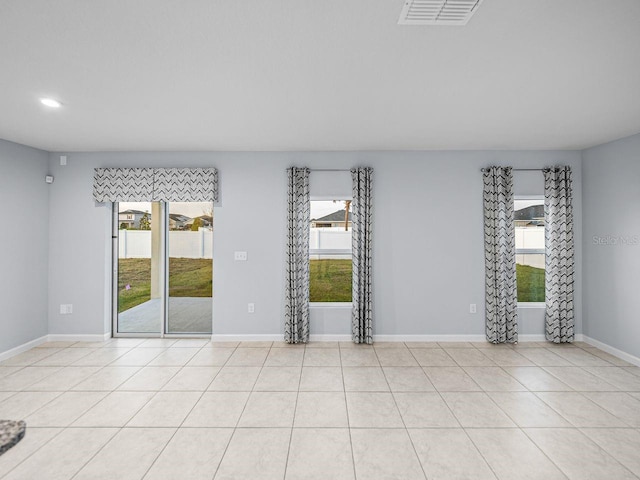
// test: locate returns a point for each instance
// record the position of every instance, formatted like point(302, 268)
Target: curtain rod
point(520, 169)
point(330, 169)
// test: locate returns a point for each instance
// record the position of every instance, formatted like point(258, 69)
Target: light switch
point(66, 309)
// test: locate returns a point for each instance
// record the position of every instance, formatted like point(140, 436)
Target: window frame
point(524, 251)
point(320, 251)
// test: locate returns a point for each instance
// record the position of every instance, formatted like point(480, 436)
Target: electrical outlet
point(472, 308)
point(251, 308)
point(240, 256)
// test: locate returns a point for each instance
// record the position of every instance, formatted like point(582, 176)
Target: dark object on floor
point(11, 432)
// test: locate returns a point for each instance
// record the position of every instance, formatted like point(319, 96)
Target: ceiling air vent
point(438, 12)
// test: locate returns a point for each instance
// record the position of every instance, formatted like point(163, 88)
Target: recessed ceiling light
point(50, 102)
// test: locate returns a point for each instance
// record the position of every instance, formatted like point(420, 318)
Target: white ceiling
point(317, 75)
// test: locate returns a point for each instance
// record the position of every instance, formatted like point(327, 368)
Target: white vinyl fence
point(137, 244)
point(329, 239)
point(329, 243)
point(530, 241)
point(186, 244)
point(530, 238)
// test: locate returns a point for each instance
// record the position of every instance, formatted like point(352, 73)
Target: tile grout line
point(121, 429)
point(545, 453)
point(346, 406)
point(293, 422)
point(118, 430)
point(62, 392)
point(437, 391)
point(406, 430)
point(34, 452)
point(188, 413)
point(464, 429)
point(235, 428)
point(107, 442)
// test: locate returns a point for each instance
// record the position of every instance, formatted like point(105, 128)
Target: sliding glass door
point(163, 268)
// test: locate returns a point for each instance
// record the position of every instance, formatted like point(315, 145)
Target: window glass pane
point(529, 232)
point(139, 274)
point(330, 251)
point(530, 277)
point(190, 244)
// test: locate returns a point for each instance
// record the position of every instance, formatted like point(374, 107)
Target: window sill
point(330, 305)
point(531, 305)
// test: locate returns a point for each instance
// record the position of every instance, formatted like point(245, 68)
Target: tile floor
point(192, 409)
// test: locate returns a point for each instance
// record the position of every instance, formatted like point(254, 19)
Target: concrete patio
point(186, 315)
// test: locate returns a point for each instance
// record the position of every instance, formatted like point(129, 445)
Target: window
point(530, 257)
point(330, 251)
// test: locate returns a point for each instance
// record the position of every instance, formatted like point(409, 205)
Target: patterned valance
point(123, 185)
point(185, 184)
point(155, 184)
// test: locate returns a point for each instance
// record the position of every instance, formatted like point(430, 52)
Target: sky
point(190, 209)
point(520, 204)
point(195, 209)
point(320, 208)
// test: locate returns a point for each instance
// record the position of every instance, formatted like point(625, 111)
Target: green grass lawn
point(330, 280)
point(530, 282)
point(188, 277)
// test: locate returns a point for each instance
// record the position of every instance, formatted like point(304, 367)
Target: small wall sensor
point(48, 179)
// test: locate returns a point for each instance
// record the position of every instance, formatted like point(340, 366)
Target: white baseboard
point(22, 348)
point(329, 337)
point(627, 357)
point(247, 338)
point(428, 338)
point(347, 338)
point(60, 337)
point(376, 338)
point(523, 338)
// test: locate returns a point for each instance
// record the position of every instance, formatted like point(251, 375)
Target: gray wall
point(611, 196)
point(429, 263)
point(24, 197)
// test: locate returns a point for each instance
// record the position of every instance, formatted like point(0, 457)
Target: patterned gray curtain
point(155, 184)
point(501, 298)
point(559, 247)
point(296, 314)
point(362, 295)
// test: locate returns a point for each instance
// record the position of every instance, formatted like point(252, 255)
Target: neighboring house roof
point(136, 212)
point(205, 219)
point(332, 217)
point(179, 217)
point(533, 212)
